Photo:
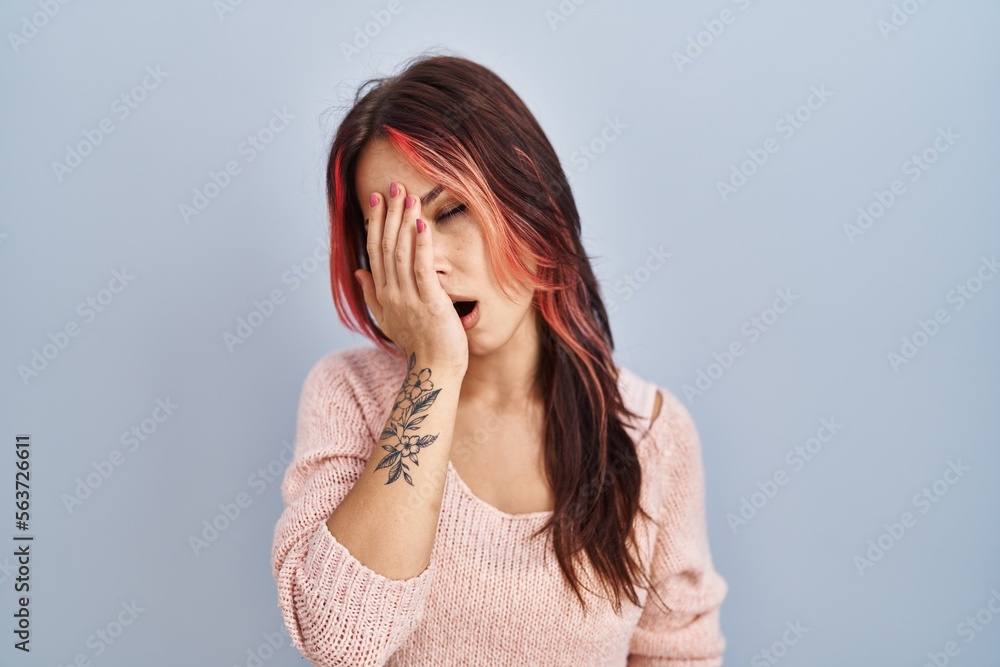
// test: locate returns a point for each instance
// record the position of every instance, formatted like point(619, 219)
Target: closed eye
point(454, 211)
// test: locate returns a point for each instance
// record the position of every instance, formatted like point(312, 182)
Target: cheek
point(511, 314)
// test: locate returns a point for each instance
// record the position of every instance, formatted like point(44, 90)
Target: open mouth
point(464, 307)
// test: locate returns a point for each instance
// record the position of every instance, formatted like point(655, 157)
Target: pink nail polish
point(373, 201)
point(393, 190)
point(408, 202)
point(420, 225)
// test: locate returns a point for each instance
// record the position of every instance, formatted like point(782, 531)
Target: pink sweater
point(490, 596)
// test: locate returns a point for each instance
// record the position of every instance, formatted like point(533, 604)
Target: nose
point(443, 252)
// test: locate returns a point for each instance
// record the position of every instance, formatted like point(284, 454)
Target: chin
point(477, 347)
point(481, 345)
point(484, 343)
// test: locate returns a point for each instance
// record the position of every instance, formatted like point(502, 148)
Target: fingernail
point(408, 202)
point(357, 278)
point(420, 225)
point(393, 190)
point(373, 201)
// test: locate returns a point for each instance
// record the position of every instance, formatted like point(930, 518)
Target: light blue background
point(650, 184)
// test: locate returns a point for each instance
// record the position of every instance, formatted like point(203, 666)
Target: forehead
point(379, 165)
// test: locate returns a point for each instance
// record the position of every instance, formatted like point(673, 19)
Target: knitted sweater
point(490, 595)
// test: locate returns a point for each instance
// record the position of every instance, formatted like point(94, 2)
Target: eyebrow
point(430, 196)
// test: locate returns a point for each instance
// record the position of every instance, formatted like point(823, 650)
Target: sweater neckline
point(637, 396)
point(521, 516)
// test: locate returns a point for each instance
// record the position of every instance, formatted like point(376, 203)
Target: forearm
point(389, 526)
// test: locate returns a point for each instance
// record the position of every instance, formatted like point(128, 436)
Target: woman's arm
point(690, 635)
point(356, 602)
point(389, 518)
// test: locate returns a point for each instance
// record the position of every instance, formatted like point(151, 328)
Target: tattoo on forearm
point(414, 397)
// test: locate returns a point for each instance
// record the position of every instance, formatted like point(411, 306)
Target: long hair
point(460, 125)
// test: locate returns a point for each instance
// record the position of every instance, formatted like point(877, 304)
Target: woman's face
point(460, 257)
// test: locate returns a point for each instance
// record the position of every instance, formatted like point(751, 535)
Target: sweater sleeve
point(681, 567)
point(336, 610)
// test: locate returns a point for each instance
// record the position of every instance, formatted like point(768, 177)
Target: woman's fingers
point(376, 222)
point(404, 248)
point(423, 263)
point(393, 218)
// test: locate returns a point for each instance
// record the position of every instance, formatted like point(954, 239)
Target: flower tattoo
point(415, 396)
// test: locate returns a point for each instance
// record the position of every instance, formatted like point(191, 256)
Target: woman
point(489, 415)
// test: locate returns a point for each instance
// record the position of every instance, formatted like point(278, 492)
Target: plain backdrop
point(792, 208)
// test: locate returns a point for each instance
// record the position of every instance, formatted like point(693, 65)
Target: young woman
point(488, 415)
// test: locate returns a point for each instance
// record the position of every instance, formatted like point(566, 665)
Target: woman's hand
point(403, 290)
